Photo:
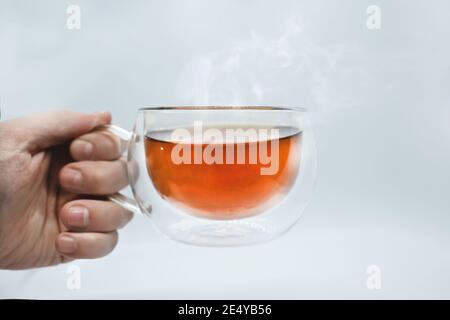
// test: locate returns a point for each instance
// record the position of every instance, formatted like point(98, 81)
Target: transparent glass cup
point(220, 176)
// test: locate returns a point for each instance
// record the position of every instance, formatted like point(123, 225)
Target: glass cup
point(220, 176)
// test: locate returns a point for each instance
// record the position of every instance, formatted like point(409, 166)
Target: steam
point(288, 69)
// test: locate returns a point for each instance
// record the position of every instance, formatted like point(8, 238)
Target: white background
point(379, 101)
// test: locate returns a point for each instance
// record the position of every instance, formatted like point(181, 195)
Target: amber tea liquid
point(222, 191)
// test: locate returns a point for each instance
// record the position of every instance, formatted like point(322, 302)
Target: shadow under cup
point(222, 176)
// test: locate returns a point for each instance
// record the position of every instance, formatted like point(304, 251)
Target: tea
point(223, 189)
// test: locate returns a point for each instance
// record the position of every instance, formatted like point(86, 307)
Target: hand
point(51, 208)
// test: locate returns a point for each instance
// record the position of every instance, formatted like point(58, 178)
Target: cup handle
point(119, 198)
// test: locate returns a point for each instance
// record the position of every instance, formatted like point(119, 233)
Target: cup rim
point(223, 108)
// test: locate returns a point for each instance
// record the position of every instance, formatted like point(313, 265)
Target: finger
point(96, 146)
point(94, 215)
point(45, 130)
point(94, 177)
point(86, 245)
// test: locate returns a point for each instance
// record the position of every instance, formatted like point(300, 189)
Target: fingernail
point(66, 244)
point(83, 147)
point(75, 177)
point(78, 216)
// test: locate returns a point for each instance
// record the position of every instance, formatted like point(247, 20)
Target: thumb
point(49, 129)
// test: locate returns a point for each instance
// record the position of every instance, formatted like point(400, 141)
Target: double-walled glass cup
point(220, 176)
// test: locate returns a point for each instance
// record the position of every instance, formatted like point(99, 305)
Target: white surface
point(380, 102)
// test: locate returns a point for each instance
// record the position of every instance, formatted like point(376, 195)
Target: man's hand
point(53, 173)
